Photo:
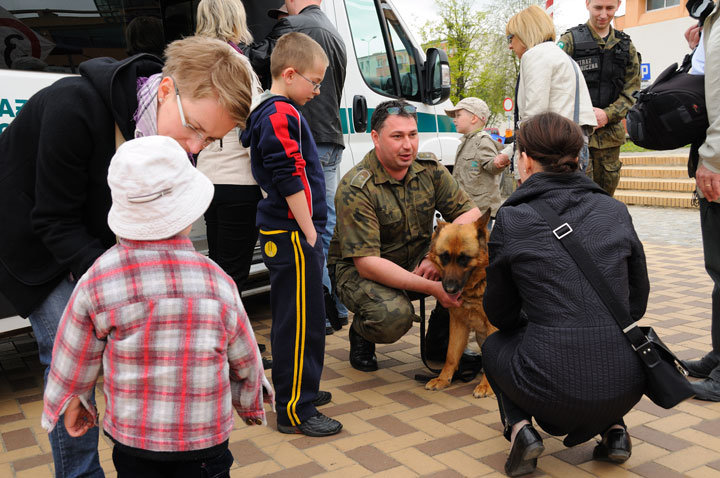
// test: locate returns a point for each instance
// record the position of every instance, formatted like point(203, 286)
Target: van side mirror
point(437, 77)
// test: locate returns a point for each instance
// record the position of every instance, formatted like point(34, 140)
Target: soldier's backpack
point(671, 112)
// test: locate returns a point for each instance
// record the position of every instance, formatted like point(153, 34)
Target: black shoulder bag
point(667, 384)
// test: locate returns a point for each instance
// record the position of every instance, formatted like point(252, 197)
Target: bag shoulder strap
point(564, 233)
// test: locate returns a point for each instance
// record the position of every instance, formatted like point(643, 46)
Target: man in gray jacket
point(322, 113)
point(707, 178)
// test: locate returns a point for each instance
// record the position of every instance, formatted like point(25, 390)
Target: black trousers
point(297, 336)
point(231, 230)
point(710, 226)
point(131, 466)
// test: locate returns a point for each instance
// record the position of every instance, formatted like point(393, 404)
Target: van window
point(57, 35)
point(373, 57)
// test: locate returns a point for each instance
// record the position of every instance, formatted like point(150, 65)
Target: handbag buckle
point(647, 353)
point(562, 230)
point(681, 368)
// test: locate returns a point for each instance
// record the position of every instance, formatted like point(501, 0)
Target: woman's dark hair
point(552, 140)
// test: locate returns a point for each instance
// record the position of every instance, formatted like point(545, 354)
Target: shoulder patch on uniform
point(361, 178)
point(561, 44)
point(427, 156)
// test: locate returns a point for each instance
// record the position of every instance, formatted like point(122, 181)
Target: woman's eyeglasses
point(510, 37)
point(204, 140)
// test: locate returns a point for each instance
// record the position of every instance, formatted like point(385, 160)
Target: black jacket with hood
point(54, 157)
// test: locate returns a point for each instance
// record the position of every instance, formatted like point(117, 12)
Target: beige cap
point(474, 105)
point(274, 13)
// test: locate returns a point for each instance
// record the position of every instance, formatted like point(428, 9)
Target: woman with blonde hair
point(549, 80)
point(230, 219)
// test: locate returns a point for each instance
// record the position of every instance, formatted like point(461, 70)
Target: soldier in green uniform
point(611, 67)
point(385, 207)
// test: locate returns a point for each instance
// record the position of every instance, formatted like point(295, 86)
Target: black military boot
point(362, 352)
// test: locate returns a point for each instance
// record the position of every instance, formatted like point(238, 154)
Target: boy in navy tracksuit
point(291, 220)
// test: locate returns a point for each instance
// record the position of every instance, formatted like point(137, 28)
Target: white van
point(43, 40)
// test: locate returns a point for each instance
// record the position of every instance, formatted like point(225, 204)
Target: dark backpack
point(671, 112)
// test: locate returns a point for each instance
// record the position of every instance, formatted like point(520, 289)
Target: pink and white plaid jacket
point(176, 346)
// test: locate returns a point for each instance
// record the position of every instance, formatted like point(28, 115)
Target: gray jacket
point(323, 112)
point(710, 149)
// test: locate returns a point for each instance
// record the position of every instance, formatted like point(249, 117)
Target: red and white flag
point(549, 7)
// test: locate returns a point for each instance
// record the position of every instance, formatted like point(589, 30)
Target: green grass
point(630, 147)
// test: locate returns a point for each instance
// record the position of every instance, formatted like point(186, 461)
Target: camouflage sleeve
point(617, 110)
point(450, 199)
point(357, 226)
point(566, 43)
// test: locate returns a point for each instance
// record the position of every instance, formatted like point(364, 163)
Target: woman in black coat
point(559, 356)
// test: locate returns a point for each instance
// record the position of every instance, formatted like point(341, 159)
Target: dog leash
point(463, 374)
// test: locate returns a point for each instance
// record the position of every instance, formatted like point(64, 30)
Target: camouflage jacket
point(475, 170)
point(380, 216)
point(612, 134)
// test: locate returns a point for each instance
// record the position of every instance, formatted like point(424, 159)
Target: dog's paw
point(483, 390)
point(437, 384)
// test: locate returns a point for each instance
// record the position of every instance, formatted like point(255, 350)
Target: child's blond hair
point(298, 51)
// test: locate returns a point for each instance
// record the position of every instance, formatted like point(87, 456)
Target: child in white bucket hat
point(165, 322)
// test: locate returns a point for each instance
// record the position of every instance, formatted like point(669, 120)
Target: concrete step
point(657, 184)
point(677, 172)
point(659, 160)
point(655, 198)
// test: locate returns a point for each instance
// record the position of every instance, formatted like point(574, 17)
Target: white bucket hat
point(156, 192)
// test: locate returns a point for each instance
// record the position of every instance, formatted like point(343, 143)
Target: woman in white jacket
point(230, 219)
point(549, 79)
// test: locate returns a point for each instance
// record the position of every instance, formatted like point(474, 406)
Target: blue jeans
point(72, 456)
point(330, 155)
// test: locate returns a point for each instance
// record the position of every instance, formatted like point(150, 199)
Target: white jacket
point(231, 165)
point(710, 149)
point(547, 83)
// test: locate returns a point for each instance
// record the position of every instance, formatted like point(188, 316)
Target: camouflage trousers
point(606, 166)
point(382, 314)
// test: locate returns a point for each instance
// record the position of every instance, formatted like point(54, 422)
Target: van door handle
point(360, 113)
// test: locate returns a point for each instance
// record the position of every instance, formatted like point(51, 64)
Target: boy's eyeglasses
point(395, 110)
point(316, 86)
point(204, 140)
point(510, 37)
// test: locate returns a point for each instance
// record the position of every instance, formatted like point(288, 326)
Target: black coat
point(560, 355)
point(323, 112)
point(54, 159)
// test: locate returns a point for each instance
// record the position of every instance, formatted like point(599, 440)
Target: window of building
point(658, 4)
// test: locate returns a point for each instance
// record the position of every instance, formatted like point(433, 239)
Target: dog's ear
point(482, 222)
point(440, 225)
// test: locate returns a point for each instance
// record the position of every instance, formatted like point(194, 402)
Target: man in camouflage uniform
point(611, 67)
point(385, 207)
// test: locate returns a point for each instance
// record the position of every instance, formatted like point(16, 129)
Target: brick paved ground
point(393, 427)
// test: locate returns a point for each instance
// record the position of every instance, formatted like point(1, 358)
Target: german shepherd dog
point(460, 252)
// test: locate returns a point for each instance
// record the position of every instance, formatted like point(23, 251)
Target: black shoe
point(322, 398)
point(707, 389)
point(527, 447)
point(362, 353)
point(316, 426)
point(615, 446)
point(328, 328)
point(262, 347)
point(343, 320)
point(267, 363)
point(701, 368)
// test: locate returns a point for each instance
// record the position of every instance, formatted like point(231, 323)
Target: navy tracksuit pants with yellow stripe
point(297, 336)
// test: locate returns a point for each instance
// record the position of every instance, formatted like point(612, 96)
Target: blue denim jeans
point(72, 456)
point(330, 155)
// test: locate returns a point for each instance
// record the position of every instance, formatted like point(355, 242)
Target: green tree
point(481, 64)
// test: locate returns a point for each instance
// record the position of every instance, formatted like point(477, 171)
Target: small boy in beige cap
point(476, 169)
point(165, 323)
